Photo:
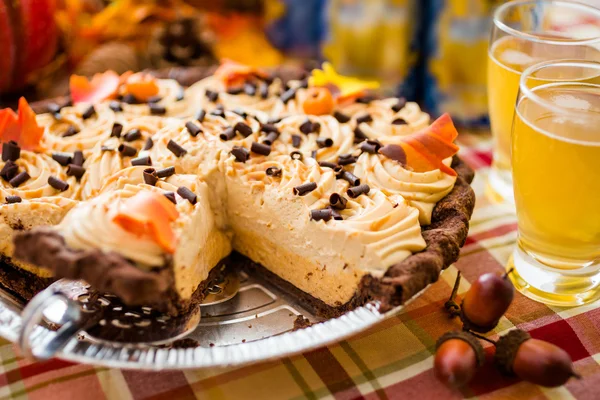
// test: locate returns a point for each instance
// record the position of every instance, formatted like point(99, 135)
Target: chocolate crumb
point(75, 170)
point(150, 177)
point(356, 191)
point(305, 188)
point(132, 135)
point(127, 151)
point(260, 148)
point(300, 322)
point(165, 172)
point(10, 151)
point(145, 160)
point(116, 130)
point(13, 199)
point(176, 149)
point(241, 154)
point(187, 194)
point(58, 184)
point(19, 179)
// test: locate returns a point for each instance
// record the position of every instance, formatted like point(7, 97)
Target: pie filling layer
point(315, 199)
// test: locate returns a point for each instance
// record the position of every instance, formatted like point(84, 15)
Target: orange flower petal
point(102, 87)
point(9, 126)
point(141, 86)
point(232, 73)
point(31, 133)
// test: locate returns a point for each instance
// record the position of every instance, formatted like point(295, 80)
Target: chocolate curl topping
point(75, 170)
point(305, 188)
point(370, 146)
point(346, 159)
point(321, 215)
point(324, 142)
point(356, 191)
point(141, 161)
point(288, 95)
point(296, 155)
point(341, 117)
point(273, 171)
point(241, 154)
point(399, 121)
point(350, 178)
point(338, 201)
point(127, 151)
point(13, 199)
point(296, 141)
point(19, 179)
point(150, 177)
point(176, 148)
point(116, 130)
point(149, 143)
point(10, 151)
point(260, 148)
point(364, 119)
point(115, 106)
point(187, 194)
point(78, 158)
point(171, 197)
point(193, 129)
point(9, 170)
point(212, 96)
point(227, 134)
point(71, 131)
point(58, 184)
point(399, 105)
point(394, 152)
point(165, 172)
point(132, 135)
point(200, 115)
point(271, 138)
point(243, 129)
point(359, 135)
point(88, 113)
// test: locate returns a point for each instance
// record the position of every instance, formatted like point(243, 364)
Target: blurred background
point(430, 51)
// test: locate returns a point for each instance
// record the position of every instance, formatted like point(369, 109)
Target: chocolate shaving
point(356, 191)
point(200, 116)
point(346, 159)
point(359, 135)
point(115, 106)
point(149, 143)
point(235, 90)
point(58, 184)
point(116, 130)
point(249, 89)
point(350, 178)
point(241, 154)
point(212, 96)
point(288, 95)
point(78, 158)
point(88, 113)
point(19, 179)
point(176, 149)
point(227, 134)
point(370, 146)
point(165, 172)
point(327, 164)
point(171, 197)
point(338, 201)
point(341, 117)
point(11, 199)
point(321, 215)
point(127, 151)
point(399, 121)
point(243, 129)
point(129, 99)
point(9, 170)
point(324, 142)
point(296, 155)
point(336, 215)
point(156, 109)
point(306, 127)
point(154, 99)
point(75, 170)
point(71, 131)
point(271, 138)
point(399, 105)
point(269, 128)
point(187, 194)
point(305, 188)
point(150, 177)
point(240, 112)
point(274, 171)
point(145, 160)
point(263, 90)
point(193, 129)
point(394, 152)
point(10, 151)
point(260, 148)
point(132, 135)
point(364, 118)
point(296, 141)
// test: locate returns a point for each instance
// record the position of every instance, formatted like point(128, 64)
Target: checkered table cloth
point(391, 360)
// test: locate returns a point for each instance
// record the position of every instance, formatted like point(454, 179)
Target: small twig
point(482, 337)
point(508, 272)
point(452, 306)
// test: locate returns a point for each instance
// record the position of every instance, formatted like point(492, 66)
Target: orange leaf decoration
point(149, 214)
point(21, 127)
point(102, 87)
point(319, 101)
point(141, 86)
point(233, 73)
point(427, 149)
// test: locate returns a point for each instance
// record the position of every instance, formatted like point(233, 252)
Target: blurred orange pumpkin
point(28, 40)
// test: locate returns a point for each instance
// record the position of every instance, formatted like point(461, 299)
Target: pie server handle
point(50, 342)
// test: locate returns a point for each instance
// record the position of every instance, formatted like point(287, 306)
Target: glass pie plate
point(243, 320)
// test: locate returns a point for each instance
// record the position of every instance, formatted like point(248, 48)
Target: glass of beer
point(524, 33)
point(556, 173)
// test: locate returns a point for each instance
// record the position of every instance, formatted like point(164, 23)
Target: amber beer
point(556, 172)
point(512, 51)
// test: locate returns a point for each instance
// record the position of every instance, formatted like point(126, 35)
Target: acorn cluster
point(459, 354)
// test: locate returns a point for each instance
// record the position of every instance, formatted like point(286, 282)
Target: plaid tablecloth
point(392, 360)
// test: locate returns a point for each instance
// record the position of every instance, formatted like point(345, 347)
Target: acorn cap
point(466, 337)
point(506, 350)
point(470, 326)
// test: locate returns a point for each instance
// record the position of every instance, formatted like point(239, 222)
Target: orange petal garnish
point(21, 127)
point(427, 149)
point(233, 73)
point(319, 101)
point(101, 87)
point(141, 86)
point(149, 214)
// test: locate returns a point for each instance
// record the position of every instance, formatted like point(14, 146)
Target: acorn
point(458, 355)
point(486, 301)
point(533, 360)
